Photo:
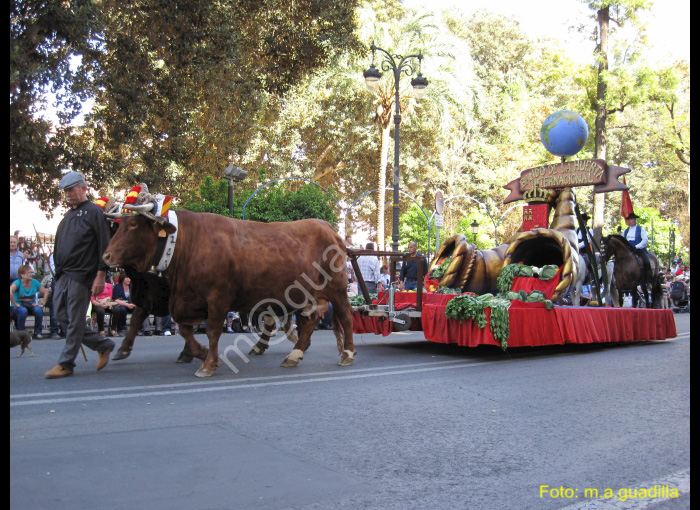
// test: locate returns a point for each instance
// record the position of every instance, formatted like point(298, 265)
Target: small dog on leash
point(22, 338)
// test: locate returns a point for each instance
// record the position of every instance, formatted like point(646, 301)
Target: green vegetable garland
point(470, 306)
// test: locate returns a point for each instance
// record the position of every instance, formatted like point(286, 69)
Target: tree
point(276, 203)
point(45, 37)
point(178, 87)
point(619, 12)
point(659, 232)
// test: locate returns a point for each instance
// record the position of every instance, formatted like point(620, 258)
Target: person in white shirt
point(638, 238)
point(369, 267)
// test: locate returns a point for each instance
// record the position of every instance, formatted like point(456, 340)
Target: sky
point(668, 30)
point(668, 22)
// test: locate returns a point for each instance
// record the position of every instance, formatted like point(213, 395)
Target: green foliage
point(500, 320)
point(210, 197)
point(659, 232)
point(413, 226)
point(439, 271)
point(276, 203)
point(279, 204)
point(468, 306)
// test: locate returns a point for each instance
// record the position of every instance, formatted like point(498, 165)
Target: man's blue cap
point(71, 179)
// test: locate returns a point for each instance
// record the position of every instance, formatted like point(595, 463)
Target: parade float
point(509, 296)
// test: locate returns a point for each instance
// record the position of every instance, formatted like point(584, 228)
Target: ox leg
point(342, 327)
point(289, 329)
point(266, 331)
point(264, 340)
point(192, 347)
point(305, 327)
point(211, 362)
point(185, 355)
point(137, 318)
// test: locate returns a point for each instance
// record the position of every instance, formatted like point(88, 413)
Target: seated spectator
point(163, 325)
point(233, 323)
point(102, 304)
point(384, 279)
point(121, 293)
point(23, 298)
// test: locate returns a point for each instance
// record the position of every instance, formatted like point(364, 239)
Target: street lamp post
point(475, 231)
point(233, 173)
point(672, 246)
point(397, 64)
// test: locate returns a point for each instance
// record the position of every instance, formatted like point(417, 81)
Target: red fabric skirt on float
point(531, 324)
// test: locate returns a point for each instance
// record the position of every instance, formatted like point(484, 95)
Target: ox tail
point(338, 332)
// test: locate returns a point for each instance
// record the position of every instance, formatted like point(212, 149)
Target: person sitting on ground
point(23, 292)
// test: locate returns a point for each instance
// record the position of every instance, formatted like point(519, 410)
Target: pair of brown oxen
point(221, 264)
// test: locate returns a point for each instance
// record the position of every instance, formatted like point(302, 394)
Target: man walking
point(81, 239)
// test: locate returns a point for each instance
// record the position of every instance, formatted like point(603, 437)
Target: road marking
point(244, 383)
point(679, 480)
point(228, 381)
point(203, 386)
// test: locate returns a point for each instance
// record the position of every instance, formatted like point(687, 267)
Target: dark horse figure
point(629, 270)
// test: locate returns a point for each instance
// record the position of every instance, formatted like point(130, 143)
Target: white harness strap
point(169, 244)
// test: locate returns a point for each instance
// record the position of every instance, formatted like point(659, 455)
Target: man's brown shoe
point(103, 358)
point(58, 371)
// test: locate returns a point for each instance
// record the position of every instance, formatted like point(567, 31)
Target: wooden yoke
point(393, 256)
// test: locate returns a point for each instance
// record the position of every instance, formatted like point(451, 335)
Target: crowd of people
point(376, 274)
point(676, 285)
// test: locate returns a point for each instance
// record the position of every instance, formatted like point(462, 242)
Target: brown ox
point(221, 264)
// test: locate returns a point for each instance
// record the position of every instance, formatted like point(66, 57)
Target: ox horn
point(153, 217)
point(143, 208)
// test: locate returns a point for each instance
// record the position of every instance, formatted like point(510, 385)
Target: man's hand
point(99, 284)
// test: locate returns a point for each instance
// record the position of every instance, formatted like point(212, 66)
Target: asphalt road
point(412, 425)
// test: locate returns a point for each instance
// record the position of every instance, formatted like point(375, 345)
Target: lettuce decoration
point(469, 306)
point(438, 272)
point(359, 300)
point(504, 282)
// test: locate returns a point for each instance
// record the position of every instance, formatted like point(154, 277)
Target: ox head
point(136, 241)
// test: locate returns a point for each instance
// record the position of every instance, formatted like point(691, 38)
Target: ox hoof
point(346, 359)
point(293, 359)
point(121, 355)
point(205, 372)
point(184, 358)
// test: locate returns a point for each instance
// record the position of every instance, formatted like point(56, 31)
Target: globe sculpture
point(564, 133)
